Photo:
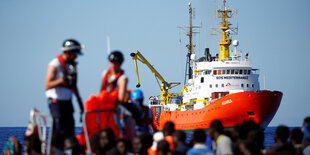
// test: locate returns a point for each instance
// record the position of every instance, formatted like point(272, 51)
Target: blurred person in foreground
point(12, 147)
point(106, 141)
point(114, 79)
point(296, 137)
point(163, 148)
point(158, 136)
point(141, 113)
point(72, 146)
point(60, 84)
point(199, 148)
point(122, 147)
point(306, 141)
point(114, 85)
point(179, 138)
point(102, 142)
point(223, 144)
point(281, 146)
point(32, 145)
point(248, 138)
point(142, 143)
point(168, 131)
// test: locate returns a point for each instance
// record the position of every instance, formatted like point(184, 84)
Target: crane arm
point(164, 86)
point(138, 56)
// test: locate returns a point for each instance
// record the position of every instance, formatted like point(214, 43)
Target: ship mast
point(190, 43)
point(224, 14)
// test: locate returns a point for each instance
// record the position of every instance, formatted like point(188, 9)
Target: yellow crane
point(164, 85)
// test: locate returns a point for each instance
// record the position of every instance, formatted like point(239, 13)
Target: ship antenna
point(190, 47)
point(226, 40)
point(108, 45)
point(190, 41)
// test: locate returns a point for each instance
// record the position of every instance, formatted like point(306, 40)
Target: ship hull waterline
point(231, 110)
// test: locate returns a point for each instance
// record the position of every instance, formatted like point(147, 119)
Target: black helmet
point(72, 45)
point(116, 56)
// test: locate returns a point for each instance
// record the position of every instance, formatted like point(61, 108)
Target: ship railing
point(153, 100)
point(176, 101)
point(35, 122)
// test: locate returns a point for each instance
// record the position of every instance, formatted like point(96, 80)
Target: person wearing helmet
point(137, 95)
point(114, 78)
point(60, 84)
point(145, 117)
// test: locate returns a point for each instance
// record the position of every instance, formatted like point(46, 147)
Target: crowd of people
point(117, 138)
point(244, 139)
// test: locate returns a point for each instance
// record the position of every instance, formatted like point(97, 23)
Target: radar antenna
point(225, 30)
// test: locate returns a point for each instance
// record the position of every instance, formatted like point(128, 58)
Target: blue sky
point(31, 34)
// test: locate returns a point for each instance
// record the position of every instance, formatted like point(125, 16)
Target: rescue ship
point(223, 87)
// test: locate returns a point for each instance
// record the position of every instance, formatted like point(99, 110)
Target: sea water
point(19, 132)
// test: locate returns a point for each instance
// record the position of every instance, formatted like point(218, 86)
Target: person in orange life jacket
point(168, 131)
point(60, 84)
point(114, 78)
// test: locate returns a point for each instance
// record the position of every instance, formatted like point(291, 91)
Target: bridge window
point(244, 71)
point(240, 71)
point(236, 71)
point(208, 72)
point(214, 72)
point(228, 71)
point(219, 72)
point(232, 71)
point(242, 85)
point(202, 80)
point(249, 72)
point(223, 72)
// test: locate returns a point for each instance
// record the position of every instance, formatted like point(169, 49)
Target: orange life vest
point(100, 110)
point(169, 139)
point(110, 86)
point(151, 151)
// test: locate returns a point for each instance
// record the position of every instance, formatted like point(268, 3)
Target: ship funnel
point(207, 54)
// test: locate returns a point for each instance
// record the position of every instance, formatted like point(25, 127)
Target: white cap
point(158, 136)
